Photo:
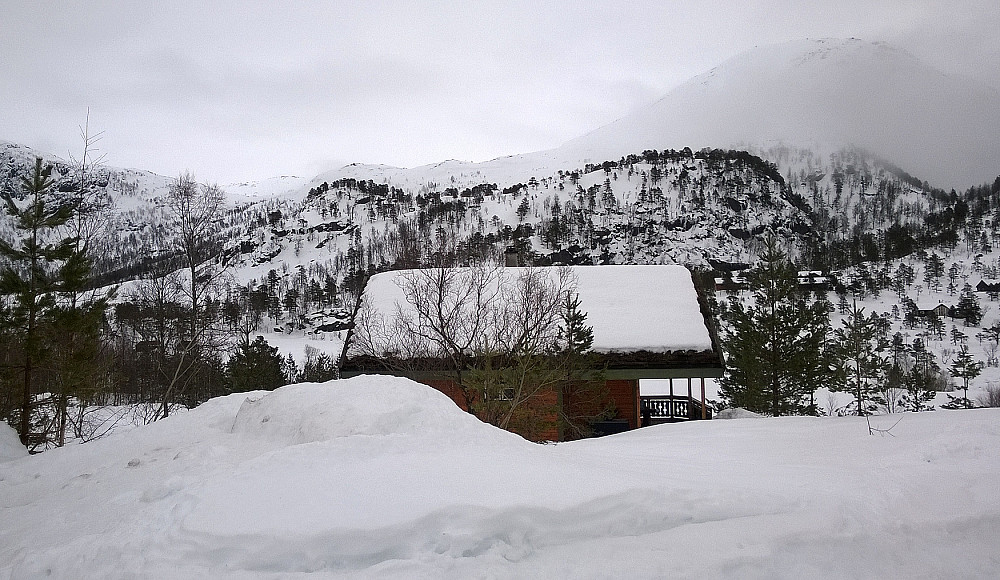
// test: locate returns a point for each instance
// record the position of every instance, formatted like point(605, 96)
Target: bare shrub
point(991, 398)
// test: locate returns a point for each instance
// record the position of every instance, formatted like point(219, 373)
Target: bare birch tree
point(495, 331)
point(195, 210)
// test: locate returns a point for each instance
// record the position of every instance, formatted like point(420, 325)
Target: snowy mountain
point(283, 187)
point(833, 93)
point(126, 239)
point(139, 186)
point(826, 112)
point(822, 95)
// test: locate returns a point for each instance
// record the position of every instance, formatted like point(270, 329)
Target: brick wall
point(625, 394)
point(538, 419)
point(450, 388)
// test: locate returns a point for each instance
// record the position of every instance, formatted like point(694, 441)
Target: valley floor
point(378, 477)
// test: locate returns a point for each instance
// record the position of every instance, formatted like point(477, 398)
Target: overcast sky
point(242, 90)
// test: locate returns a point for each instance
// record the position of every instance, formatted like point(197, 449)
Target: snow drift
point(10, 443)
point(377, 477)
point(386, 406)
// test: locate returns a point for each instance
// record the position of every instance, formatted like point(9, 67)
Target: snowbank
point(737, 413)
point(10, 443)
point(377, 477)
point(364, 405)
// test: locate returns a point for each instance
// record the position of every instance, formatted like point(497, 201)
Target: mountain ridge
point(824, 94)
point(836, 92)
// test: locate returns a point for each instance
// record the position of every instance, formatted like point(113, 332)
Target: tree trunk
point(25, 428)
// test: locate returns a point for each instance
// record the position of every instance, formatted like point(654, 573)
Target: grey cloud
point(216, 85)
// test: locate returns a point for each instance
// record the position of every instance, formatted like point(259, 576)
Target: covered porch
point(653, 396)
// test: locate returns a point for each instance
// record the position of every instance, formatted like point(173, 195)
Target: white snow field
point(380, 477)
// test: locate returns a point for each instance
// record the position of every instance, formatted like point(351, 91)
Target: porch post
point(671, 405)
point(703, 416)
point(690, 398)
point(638, 403)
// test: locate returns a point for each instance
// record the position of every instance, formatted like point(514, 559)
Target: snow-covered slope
point(503, 171)
point(137, 189)
point(379, 477)
point(830, 92)
point(282, 187)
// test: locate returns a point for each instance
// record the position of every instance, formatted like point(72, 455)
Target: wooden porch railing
point(658, 409)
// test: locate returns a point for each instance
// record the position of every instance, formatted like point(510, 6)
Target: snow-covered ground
point(284, 187)
point(379, 477)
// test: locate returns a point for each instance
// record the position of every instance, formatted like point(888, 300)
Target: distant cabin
point(810, 280)
point(987, 285)
point(813, 280)
point(934, 309)
point(648, 323)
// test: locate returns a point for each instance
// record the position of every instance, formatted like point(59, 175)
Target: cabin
point(989, 286)
point(934, 309)
point(808, 280)
point(648, 322)
point(813, 280)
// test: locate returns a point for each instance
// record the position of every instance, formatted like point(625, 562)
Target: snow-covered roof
point(631, 308)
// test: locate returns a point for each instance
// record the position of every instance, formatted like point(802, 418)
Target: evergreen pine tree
point(290, 369)
point(934, 268)
point(37, 267)
point(776, 345)
point(575, 336)
point(902, 279)
point(861, 349)
point(964, 367)
point(919, 381)
point(968, 307)
point(523, 208)
point(911, 313)
point(256, 366)
point(935, 326)
point(583, 382)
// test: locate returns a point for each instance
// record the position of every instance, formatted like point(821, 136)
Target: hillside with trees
point(192, 275)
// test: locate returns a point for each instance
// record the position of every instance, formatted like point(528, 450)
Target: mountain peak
point(837, 92)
